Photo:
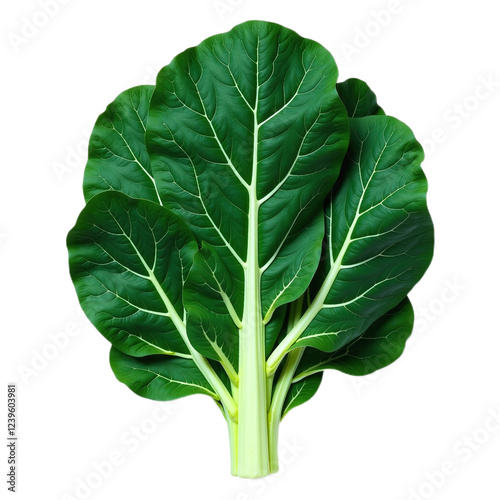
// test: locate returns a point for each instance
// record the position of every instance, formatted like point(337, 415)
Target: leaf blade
point(160, 378)
point(379, 346)
point(246, 134)
point(382, 243)
point(301, 391)
point(379, 238)
point(358, 98)
point(118, 159)
point(132, 296)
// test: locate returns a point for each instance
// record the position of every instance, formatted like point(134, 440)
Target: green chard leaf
point(158, 377)
point(379, 346)
point(128, 261)
point(359, 100)
point(118, 159)
point(246, 134)
point(379, 237)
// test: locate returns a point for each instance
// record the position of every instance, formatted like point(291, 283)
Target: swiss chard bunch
point(250, 223)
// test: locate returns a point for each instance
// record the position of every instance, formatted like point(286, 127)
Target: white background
point(385, 437)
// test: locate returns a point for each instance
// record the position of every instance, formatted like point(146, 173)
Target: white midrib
point(253, 447)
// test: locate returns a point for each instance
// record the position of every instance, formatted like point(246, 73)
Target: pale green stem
point(270, 382)
point(253, 446)
point(233, 444)
point(276, 410)
point(283, 386)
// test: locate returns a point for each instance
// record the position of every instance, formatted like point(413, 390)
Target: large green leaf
point(246, 134)
point(359, 101)
point(118, 159)
point(157, 377)
point(379, 237)
point(128, 260)
point(379, 346)
point(379, 232)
